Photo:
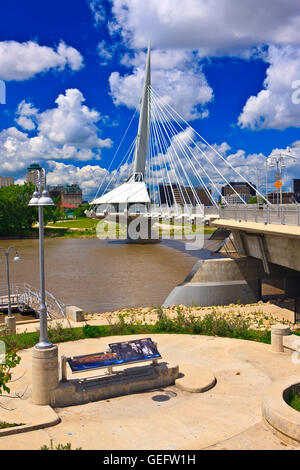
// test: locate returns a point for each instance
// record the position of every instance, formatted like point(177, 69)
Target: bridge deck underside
point(277, 244)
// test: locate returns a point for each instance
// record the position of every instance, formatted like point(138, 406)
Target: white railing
point(24, 295)
point(284, 214)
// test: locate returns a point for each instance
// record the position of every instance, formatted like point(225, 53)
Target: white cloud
point(177, 80)
point(274, 106)
point(106, 52)
point(187, 155)
point(26, 115)
point(67, 132)
point(71, 122)
point(214, 27)
point(21, 61)
point(88, 177)
point(98, 11)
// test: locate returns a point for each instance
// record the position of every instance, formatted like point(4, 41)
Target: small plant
point(91, 331)
point(4, 425)
point(294, 401)
point(11, 361)
point(67, 446)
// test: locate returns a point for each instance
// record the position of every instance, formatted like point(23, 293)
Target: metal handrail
point(26, 294)
point(284, 214)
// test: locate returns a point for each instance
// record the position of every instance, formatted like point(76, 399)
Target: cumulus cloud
point(276, 106)
point(106, 52)
point(215, 165)
point(213, 27)
point(177, 80)
point(98, 11)
point(264, 29)
point(71, 122)
point(21, 61)
point(26, 115)
point(66, 132)
point(88, 176)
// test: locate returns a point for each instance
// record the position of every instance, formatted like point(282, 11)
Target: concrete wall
point(128, 381)
point(219, 282)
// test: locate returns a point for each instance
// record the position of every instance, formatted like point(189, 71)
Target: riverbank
point(259, 316)
point(86, 228)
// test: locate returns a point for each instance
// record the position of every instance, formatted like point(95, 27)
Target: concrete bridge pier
point(226, 280)
point(140, 230)
point(219, 282)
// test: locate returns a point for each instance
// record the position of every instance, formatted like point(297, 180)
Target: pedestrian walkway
point(226, 416)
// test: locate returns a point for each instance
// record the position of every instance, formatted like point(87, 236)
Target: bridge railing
point(284, 214)
point(26, 295)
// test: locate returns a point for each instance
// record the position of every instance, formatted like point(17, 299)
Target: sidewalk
point(226, 416)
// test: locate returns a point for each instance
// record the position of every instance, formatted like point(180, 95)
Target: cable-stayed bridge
point(171, 173)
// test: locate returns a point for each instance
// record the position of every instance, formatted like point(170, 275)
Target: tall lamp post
point(42, 199)
point(44, 354)
point(278, 161)
point(10, 320)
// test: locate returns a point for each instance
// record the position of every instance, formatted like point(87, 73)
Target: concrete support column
point(44, 374)
point(277, 334)
point(291, 286)
point(63, 368)
point(10, 324)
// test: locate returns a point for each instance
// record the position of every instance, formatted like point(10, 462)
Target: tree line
point(16, 217)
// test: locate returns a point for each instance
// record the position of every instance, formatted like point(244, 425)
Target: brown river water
point(100, 276)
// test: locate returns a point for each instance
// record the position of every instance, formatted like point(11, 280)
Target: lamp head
point(34, 200)
point(45, 199)
point(17, 257)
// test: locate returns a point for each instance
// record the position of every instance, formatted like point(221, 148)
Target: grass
point(110, 229)
point(67, 446)
point(294, 401)
point(81, 222)
point(4, 425)
point(212, 324)
point(198, 228)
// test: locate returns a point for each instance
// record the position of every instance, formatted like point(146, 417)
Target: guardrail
point(24, 295)
point(284, 214)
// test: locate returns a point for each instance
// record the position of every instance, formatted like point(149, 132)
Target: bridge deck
point(292, 231)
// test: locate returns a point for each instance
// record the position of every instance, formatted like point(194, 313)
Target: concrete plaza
point(228, 416)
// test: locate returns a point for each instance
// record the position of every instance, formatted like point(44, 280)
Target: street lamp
point(11, 322)
point(278, 161)
point(42, 199)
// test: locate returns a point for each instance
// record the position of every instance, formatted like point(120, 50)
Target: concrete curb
point(195, 379)
point(51, 420)
point(282, 418)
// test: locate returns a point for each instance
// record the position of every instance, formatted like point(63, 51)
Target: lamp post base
point(44, 374)
point(10, 324)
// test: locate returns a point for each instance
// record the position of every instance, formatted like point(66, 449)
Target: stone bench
point(113, 384)
point(113, 357)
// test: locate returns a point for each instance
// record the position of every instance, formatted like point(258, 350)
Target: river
point(100, 276)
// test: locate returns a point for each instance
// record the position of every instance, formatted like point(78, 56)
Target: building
point(172, 194)
point(55, 191)
point(70, 195)
point(6, 181)
point(235, 192)
point(296, 188)
point(32, 173)
point(287, 197)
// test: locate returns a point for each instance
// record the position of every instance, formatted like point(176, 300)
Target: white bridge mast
point(140, 153)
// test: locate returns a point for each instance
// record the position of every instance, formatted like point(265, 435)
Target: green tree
point(15, 215)
point(252, 200)
point(53, 213)
point(11, 361)
point(79, 211)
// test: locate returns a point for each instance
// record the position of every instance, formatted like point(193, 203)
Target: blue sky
point(73, 73)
